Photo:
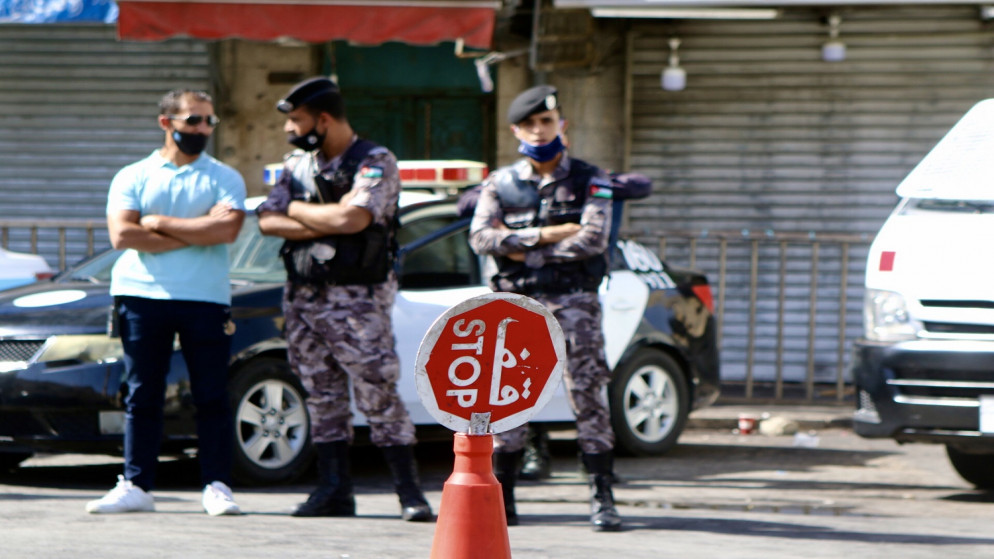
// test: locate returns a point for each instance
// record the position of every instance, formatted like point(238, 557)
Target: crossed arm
point(547, 235)
point(304, 221)
point(161, 233)
point(489, 235)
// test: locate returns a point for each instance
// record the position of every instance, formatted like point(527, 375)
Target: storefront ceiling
point(370, 22)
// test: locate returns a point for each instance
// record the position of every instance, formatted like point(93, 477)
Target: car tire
point(272, 426)
point(976, 468)
point(649, 403)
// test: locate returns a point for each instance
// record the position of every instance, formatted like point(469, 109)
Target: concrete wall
point(251, 78)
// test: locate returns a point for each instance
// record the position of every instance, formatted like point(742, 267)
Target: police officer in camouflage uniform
point(546, 221)
point(335, 204)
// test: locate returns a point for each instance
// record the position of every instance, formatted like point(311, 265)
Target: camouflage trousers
point(340, 333)
point(586, 375)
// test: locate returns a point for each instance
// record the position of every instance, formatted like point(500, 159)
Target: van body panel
point(935, 256)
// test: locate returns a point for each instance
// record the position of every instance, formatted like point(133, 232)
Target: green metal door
point(421, 102)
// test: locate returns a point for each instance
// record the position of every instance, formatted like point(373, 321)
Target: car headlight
point(81, 349)
point(886, 317)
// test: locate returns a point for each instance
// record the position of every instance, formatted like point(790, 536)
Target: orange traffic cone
point(471, 522)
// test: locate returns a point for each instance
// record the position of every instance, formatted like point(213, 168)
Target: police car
point(923, 368)
point(61, 375)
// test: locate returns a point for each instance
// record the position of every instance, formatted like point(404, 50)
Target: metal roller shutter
point(769, 140)
point(76, 105)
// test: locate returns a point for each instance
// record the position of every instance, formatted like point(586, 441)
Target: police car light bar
point(442, 174)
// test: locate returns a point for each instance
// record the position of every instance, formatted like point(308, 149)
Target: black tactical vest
point(523, 205)
point(361, 258)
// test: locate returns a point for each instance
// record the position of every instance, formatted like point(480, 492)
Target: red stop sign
point(499, 353)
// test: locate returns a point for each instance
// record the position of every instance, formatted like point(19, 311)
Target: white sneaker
point(125, 497)
point(218, 500)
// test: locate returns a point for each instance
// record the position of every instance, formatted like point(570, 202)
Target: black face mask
point(308, 142)
point(190, 143)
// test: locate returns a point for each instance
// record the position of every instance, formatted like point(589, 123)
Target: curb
point(726, 418)
point(804, 424)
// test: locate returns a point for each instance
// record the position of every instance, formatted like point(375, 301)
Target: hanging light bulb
point(833, 50)
point(674, 77)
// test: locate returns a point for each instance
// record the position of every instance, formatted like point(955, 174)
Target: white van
point(924, 370)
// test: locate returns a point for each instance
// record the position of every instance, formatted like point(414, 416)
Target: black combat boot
point(537, 461)
point(333, 496)
point(506, 466)
point(413, 505)
point(603, 516)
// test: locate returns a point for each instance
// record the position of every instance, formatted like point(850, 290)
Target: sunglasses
point(194, 120)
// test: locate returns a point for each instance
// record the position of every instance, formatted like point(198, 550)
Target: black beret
point(538, 99)
point(305, 91)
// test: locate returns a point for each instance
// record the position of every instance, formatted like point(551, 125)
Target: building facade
point(778, 138)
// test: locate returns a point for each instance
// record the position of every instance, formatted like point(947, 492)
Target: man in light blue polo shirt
point(174, 213)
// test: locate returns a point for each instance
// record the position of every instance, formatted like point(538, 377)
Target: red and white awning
point(416, 22)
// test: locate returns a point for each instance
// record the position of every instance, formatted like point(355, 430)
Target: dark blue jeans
point(148, 327)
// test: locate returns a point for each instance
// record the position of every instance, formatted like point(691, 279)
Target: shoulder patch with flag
point(371, 172)
point(600, 189)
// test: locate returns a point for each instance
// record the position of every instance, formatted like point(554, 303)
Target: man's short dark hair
point(172, 102)
point(331, 103)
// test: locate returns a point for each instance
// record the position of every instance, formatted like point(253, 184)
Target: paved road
point(718, 494)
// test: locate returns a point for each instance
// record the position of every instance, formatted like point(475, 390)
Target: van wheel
point(649, 403)
point(976, 468)
point(272, 427)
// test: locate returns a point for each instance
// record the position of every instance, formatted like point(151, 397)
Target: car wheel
point(272, 427)
point(976, 468)
point(649, 403)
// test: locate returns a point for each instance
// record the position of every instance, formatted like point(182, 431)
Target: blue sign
point(57, 11)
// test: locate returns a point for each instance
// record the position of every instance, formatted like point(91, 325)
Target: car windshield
point(254, 259)
point(959, 206)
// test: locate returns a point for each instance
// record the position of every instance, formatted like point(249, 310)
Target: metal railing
point(59, 241)
point(788, 304)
